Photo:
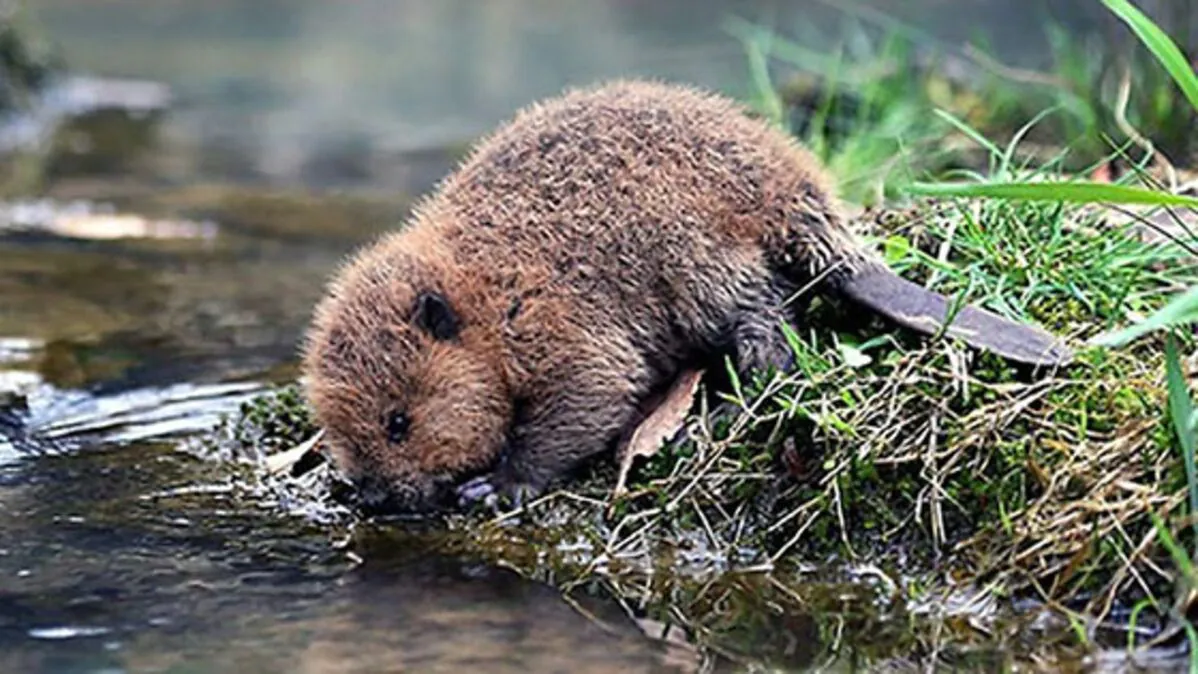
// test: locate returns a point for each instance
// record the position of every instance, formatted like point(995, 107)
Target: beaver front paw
point(478, 491)
point(497, 495)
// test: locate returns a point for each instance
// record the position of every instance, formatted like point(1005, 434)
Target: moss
point(277, 420)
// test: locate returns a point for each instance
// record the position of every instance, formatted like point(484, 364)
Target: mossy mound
point(943, 469)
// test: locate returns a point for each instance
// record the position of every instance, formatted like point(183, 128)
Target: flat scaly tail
point(920, 309)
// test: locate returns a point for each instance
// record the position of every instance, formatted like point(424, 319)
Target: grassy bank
point(943, 471)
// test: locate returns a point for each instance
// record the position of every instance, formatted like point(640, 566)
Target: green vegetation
point(867, 110)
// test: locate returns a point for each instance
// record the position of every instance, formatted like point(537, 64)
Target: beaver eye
point(397, 427)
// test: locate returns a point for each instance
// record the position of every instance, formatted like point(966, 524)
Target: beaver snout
point(378, 495)
point(375, 496)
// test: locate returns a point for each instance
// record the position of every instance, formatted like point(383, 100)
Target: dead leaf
point(665, 417)
point(285, 460)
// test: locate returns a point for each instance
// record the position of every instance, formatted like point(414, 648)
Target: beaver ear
point(435, 316)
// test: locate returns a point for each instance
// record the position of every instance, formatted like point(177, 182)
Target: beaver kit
point(577, 261)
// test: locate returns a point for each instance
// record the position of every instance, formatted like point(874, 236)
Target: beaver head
point(410, 397)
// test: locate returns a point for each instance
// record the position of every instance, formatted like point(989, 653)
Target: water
point(121, 552)
point(102, 572)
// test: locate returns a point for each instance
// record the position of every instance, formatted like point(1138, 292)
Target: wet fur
point(586, 251)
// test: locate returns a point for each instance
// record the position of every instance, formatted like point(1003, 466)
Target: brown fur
point(587, 250)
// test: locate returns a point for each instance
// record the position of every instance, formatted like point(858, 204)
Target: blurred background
point(365, 91)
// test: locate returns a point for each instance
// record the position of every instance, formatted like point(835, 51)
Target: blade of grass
point(1183, 562)
point(969, 131)
point(759, 72)
point(1077, 192)
point(1161, 46)
point(1131, 622)
point(1192, 637)
point(1181, 409)
point(1008, 157)
point(1181, 310)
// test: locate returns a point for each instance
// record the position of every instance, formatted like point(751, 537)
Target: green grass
point(864, 116)
point(1180, 311)
point(1162, 47)
point(1077, 192)
point(864, 110)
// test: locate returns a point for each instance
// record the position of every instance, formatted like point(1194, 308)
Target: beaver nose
point(375, 495)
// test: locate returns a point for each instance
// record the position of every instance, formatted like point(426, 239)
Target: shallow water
point(107, 569)
point(120, 551)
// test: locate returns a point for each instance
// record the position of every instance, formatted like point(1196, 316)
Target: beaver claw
point(478, 491)
point(482, 491)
